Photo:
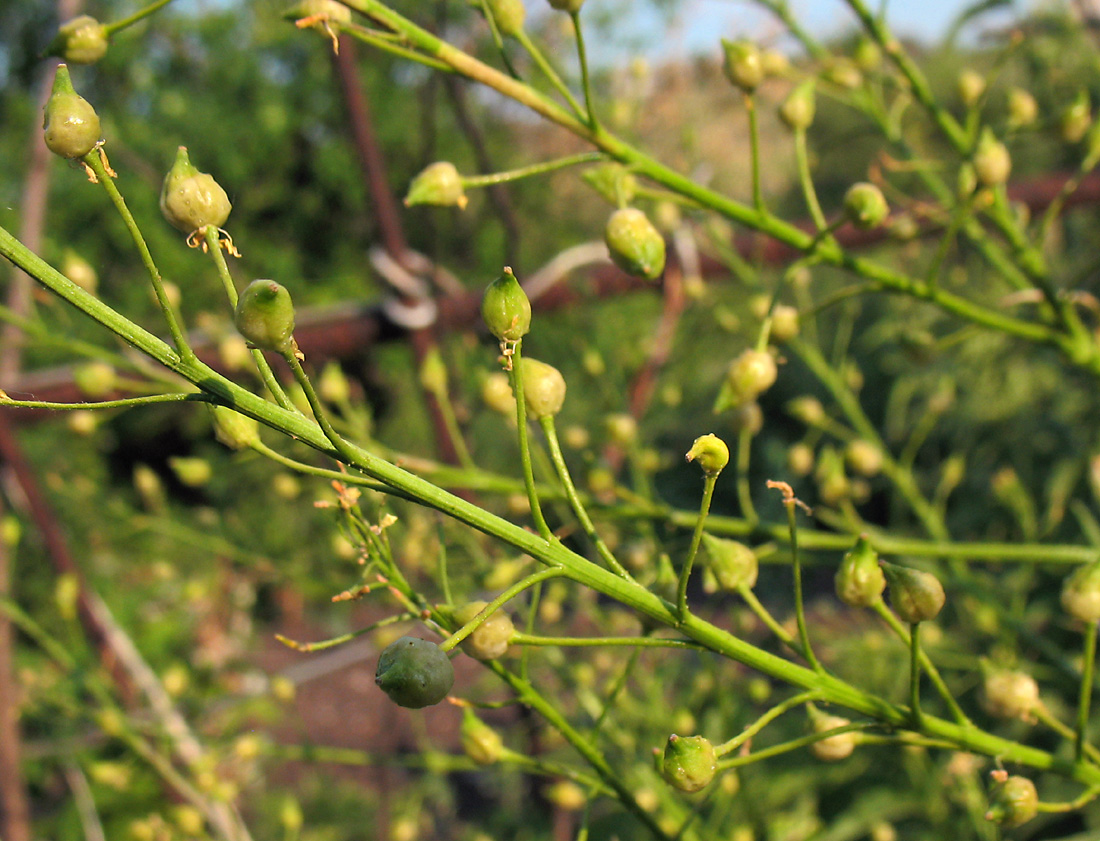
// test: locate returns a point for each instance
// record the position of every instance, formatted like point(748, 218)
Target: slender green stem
point(111, 28)
point(709, 481)
point(534, 169)
point(796, 570)
point(575, 502)
point(1085, 695)
point(519, 638)
point(1079, 802)
point(549, 72)
point(1044, 715)
point(214, 247)
point(492, 607)
point(765, 616)
point(586, 81)
point(189, 397)
point(806, 180)
point(95, 162)
point(388, 45)
point(516, 373)
point(311, 470)
point(914, 673)
point(450, 422)
point(793, 744)
point(321, 645)
point(744, 492)
point(754, 150)
point(343, 448)
point(764, 720)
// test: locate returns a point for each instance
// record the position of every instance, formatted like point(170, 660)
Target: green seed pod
point(863, 457)
point(79, 271)
point(689, 762)
point(916, 596)
point(95, 380)
point(622, 429)
point(1023, 110)
point(496, 391)
point(490, 640)
point(832, 748)
point(1081, 593)
point(1009, 694)
point(509, 15)
point(415, 673)
point(784, 323)
point(479, 741)
point(865, 206)
point(613, 181)
point(506, 309)
point(751, 374)
point(971, 86)
point(433, 372)
point(71, 125)
point(236, 431)
point(438, 184)
point(800, 459)
point(843, 73)
point(992, 163)
point(710, 452)
point(733, 563)
point(636, 246)
point(190, 200)
point(966, 181)
point(860, 580)
point(192, 471)
point(543, 388)
point(1014, 802)
point(797, 110)
point(744, 66)
point(571, 6)
point(82, 40)
point(774, 62)
point(265, 316)
point(1076, 119)
point(867, 55)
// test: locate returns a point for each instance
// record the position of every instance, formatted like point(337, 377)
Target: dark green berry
point(415, 673)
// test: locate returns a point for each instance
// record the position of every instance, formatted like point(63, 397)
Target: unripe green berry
point(992, 163)
point(710, 452)
point(490, 639)
point(1081, 593)
point(71, 126)
point(916, 596)
point(543, 388)
point(191, 200)
point(82, 40)
point(415, 673)
point(496, 391)
point(506, 309)
point(865, 206)
point(1023, 110)
point(509, 16)
point(860, 580)
point(636, 246)
point(1010, 694)
point(832, 748)
point(797, 110)
point(438, 184)
point(1014, 802)
point(95, 380)
point(265, 316)
point(744, 66)
point(1076, 119)
point(867, 55)
point(690, 762)
point(784, 323)
point(479, 741)
point(863, 457)
point(732, 563)
point(236, 431)
point(971, 86)
point(751, 374)
point(613, 181)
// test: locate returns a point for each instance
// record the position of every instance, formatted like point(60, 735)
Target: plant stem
point(534, 169)
point(754, 148)
point(744, 492)
point(914, 673)
point(806, 180)
point(586, 82)
point(519, 638)
point(796, 570)
point(516, 373)
point(492, 607)
point(764, 720)
point(125, 403)
point(765, 616)
point(709, 481)
point(1085, 695)
point(549, 72)
point(111, 28)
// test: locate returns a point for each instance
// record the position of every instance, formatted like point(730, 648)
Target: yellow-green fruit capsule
point(733, 564)
point(636, 246)
point(832, 748)
point(71, 125)
point(744, 64)
point(690, 762)
point(438, 184)
point(191, 200)
point(490, 639)
point(865, 206)
point(1023, 110)
point(82, 40)
point(971, 86)
point(751, 374)
point(265, 316)
point(860, 580)
point(1076, 119)
point(543, 388)
point(916, 596)
point(992, 163)
point(711, 454)
point(797, 110)
point(506, 309)
point(1081, 593)
point(509, 15)
point(415, 673)
point(867, 55)
point(1010, 694)
point(1014, 802)
point(236, 431)
point(480, 741)
point(95, 380)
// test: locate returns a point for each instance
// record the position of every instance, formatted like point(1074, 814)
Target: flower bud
point(1010, 694)
point(1014, 802)
point(479, 741)
point(733, 563)
point(543, 388)
point(71, 126)
point(509, 16)
point(865, 206)
point(1076, 119)
point(506, 309)
point(751, 374)
point(490, 639)
point(636, 246)
point(971, 86)
point(1081, 593)
point(992, 163)
point(744, 66)
point(415, 673)
point(860, 580)
point(831, 748)
point(689, 762)
point(82, 40)
point(1023, 110)
point(190, 200)
point(797, 110)
point(710, 452)
point(265, 316)
point(236, 431)
point(438, 184)
point(916, 596)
